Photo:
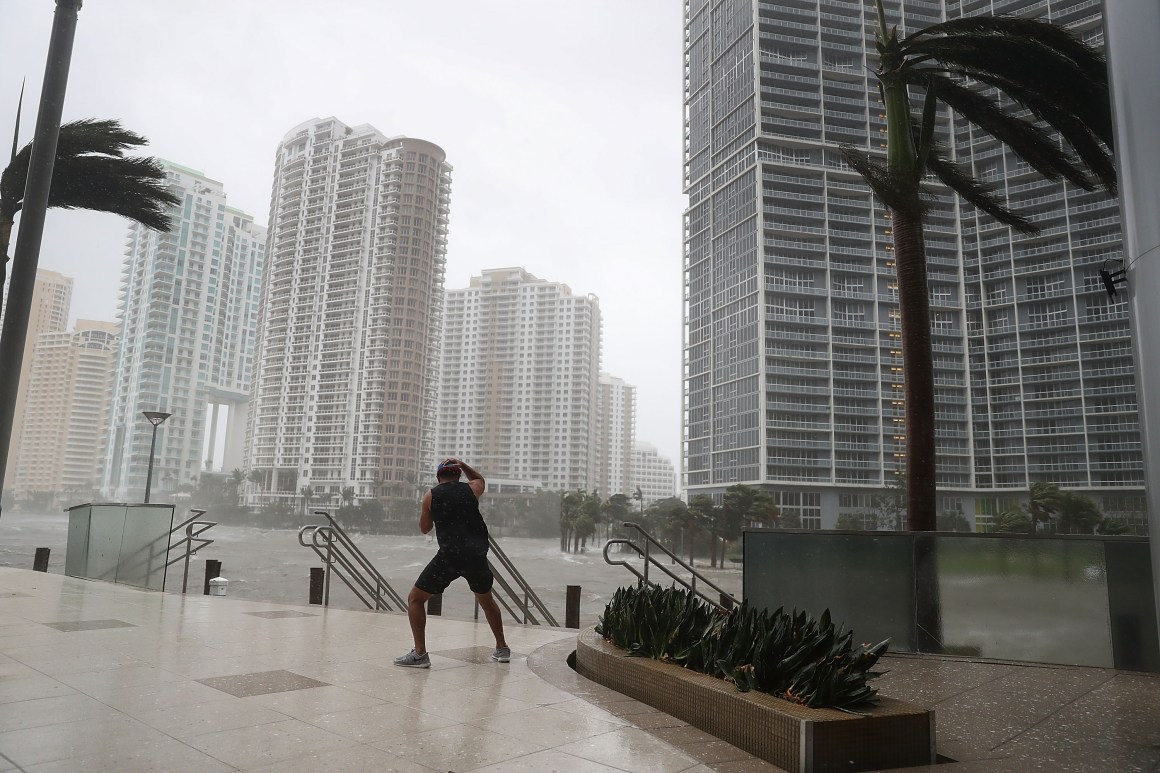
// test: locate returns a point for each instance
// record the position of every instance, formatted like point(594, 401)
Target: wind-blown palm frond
point(1060, 80)
point(90, 168)
point(979, 194)
point(130, 187)
point(91, 171)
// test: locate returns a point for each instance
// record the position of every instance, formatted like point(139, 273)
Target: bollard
point(727, 601)
point(572, 607)
point(213, 570)
point(40, 561)
point(435, 604)
point(317, 577)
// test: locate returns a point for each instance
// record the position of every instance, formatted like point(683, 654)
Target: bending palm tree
point(1056, 82)
point(91, 172)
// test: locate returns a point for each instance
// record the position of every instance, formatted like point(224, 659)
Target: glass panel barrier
point(864, 580)
point(1036, 599)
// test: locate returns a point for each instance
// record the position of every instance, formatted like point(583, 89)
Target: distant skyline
point(563, 126)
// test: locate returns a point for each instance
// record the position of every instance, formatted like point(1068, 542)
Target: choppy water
point(270, 565)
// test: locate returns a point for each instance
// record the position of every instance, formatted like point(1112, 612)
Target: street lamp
point(155, 418)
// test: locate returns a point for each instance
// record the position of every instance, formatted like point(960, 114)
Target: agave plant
point(794, 656)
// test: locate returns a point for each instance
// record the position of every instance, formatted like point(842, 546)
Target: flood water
point(270, 565)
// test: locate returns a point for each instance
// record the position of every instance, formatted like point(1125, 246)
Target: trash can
point(218, 586)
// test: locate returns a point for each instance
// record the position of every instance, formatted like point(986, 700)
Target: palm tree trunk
point(914, 302)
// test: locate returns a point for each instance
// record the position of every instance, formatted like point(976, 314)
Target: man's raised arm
point(474, 479)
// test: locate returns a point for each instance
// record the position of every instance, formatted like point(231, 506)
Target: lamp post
point(155, 418)
point(36, 190)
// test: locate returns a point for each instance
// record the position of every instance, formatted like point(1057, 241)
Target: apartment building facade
point(654, 474)
point(615, 437)
point(51, 301)
point(520, 380)
point(793, 369)
point(345, 390)
point(188, 311)
point(62, 435)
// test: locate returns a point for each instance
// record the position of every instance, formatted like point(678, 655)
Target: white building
point(654, 474)
point(518, 394)
point(616, 434)
point(793, 376)
point(62, 436)
point(188, 311)
point(344, 393)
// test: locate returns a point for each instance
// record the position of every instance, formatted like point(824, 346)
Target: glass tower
point(793, 368)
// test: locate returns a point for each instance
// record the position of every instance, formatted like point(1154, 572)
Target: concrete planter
point(793, 737)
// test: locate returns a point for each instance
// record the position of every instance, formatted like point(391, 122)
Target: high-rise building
point(521, 362)
point(345, 390)
point(62, 436)
point(188, 311)
point(51, 300)
point(615, 436)
point(653, 474)
point(793, 368)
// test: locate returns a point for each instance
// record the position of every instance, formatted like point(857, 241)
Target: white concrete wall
point(1132, 29)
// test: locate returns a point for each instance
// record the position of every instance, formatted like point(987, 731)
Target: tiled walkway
point(97, 677)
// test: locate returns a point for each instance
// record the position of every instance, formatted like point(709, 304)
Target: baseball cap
point(447, 467)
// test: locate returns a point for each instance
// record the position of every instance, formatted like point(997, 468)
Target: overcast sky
point(562, 120)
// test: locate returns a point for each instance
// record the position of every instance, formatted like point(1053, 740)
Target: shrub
point(794, 657)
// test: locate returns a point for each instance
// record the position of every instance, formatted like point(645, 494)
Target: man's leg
point(494, 618)
point(417, 616)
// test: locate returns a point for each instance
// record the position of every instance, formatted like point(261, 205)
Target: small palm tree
point(1052, 82)
point(91, 171)
point(307, 493)
point(1043, 502)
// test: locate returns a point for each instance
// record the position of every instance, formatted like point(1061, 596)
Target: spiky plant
point(91, 171)
point(1054, 86)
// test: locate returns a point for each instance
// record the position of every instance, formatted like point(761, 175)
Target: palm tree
point(1043, 502)
point(237, 480)
point(307, 496)
point(1050, 81)
point(91, 171)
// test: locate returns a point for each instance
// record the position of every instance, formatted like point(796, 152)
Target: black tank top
point(458, 523)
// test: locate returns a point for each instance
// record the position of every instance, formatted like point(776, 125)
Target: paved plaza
point(96, 676)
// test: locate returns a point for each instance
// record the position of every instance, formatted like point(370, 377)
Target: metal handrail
point(645, 553)
point(344, 559)
point(528, 593)
point(193, 531)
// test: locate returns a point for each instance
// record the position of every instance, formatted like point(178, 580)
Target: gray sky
point(562, 120)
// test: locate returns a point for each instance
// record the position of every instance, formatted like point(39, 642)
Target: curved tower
point(344, 389)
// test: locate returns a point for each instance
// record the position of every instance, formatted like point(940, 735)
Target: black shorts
point(447, 567)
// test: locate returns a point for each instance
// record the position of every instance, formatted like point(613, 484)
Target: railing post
point(525, 605)
point(317, 579)
point(646, 561)
point(40, 560)
point(213, 570)
point(572, 607)
point(435, 604)
point(727, 601)
point(329, 565)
